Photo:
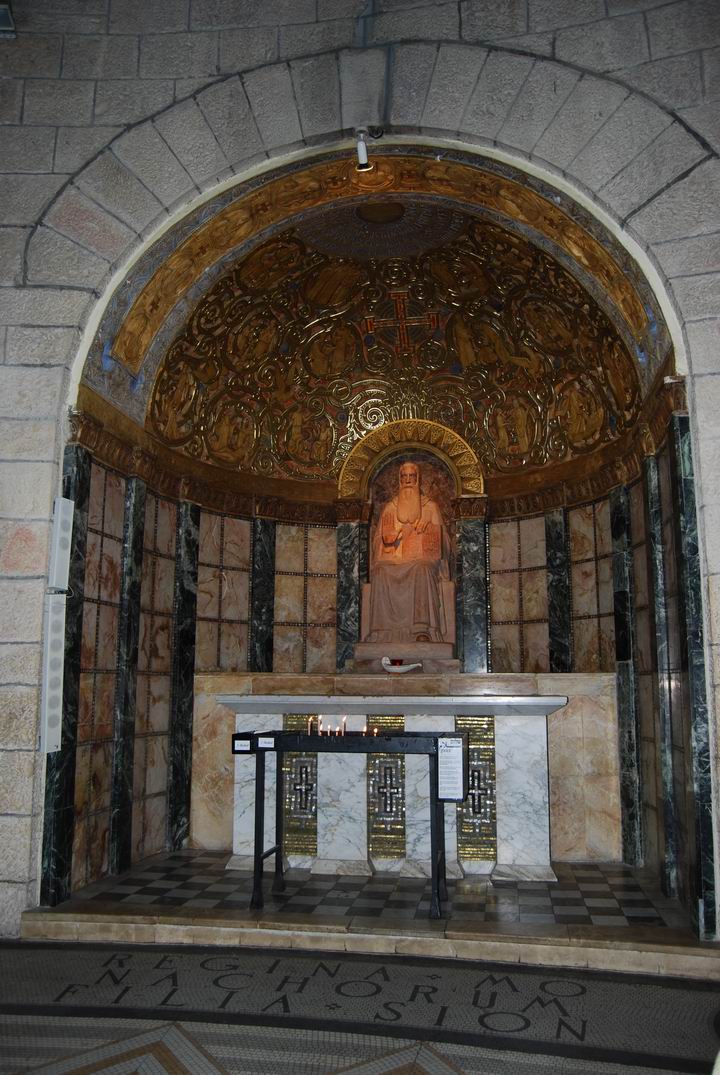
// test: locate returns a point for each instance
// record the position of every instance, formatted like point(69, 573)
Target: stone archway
point(97, 224)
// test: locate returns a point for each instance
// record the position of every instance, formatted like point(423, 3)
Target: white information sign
point(266, 742)
point(240, 746)
point(450, 768)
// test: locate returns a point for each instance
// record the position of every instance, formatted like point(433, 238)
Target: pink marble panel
point(161, 645)
point(82, 782)
point(139, 767)
point(89, 628)
point(142, 703)
point(92, 565)
point(236, 548)
point(289, 548)
point(582, 534)
point(103, 711)
point(584, 594)
point(110, 561)
point(322, 550)
point(155, 819)
point(505, 648)
point(535, 595)
point(504, 596)
point(210, 541)
point(98, 840)
point(86, 695)
point(321, 600)
point(156, 747)
point(503, 546)
point(287, 649)
point(166, 527)
point(96, 497)
point(607, 643)
point(606, 600)
point(640, 576)
point(149, 528)
point(100, 775)
point(206, 645)
point(164, 584)
point(637, 512)
point(321, 649)
point(536, 647)
point(586, 645)
point(603, 531)
point(532, 542)
point(211, 803)
point(79, 877)
point(114, 504)
point(159, 704)
point(289, 599)
point(208, 592)
point(233, 647)
point(235, 595)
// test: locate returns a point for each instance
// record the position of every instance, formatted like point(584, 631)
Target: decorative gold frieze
point(386, 797)
point(300, 794)
point(333, 182)
point(476, 821)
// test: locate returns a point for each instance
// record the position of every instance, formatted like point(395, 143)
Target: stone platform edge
point(608, 952)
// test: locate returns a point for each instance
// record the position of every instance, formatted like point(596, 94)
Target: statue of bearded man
point(410, 557)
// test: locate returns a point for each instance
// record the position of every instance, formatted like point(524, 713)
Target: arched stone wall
point(637, 145)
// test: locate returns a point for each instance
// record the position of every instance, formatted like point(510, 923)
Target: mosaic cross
point(388, 791)
point(401, 322)
point(479, 792)
point(303, 789)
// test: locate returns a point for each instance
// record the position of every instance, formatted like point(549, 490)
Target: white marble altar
point(523, 823)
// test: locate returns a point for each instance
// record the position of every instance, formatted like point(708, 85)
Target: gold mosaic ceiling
point(298, 351)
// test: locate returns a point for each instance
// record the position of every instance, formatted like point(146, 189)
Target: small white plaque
point(266, 742)
point(241, 746)
point(450, 768)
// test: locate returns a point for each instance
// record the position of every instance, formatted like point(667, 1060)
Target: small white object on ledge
point(399, 668)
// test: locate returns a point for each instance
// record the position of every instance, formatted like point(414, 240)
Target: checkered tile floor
point(584, 895)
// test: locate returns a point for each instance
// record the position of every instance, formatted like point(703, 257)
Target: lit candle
point(309, 731)
point(344, 725)
point(337, 730)
point(320, 726)
point(365, 730)
point(375, 731)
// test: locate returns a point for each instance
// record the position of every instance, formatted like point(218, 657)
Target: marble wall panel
point(211, 808)
point(102, 652)
point(583, 753)
point(154, 696)
point(559, 594)
point(224, 573)
point(519, 595)
point(305, 600)
point(581, 523)
point(290, 548)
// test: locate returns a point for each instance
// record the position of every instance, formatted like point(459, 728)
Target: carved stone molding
point(455, 452)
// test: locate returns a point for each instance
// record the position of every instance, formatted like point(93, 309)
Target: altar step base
point(641, 950)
